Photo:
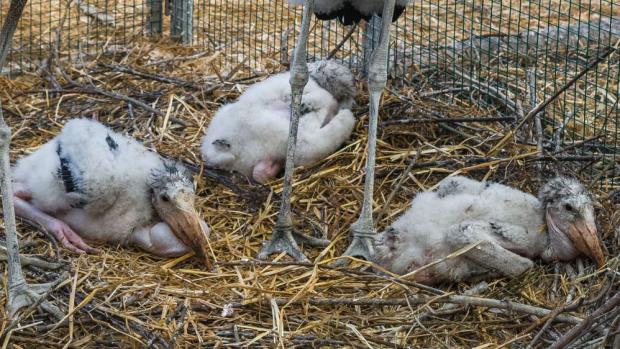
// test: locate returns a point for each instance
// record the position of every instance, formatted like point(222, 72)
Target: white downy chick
point(504, 227)
point(92, 183)
point(250, 135)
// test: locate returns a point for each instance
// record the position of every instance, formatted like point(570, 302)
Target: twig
point(180, 312)
point(547, 101)
point(455, 299)
point(449, 308)
point(445, 120)
point(333, 52)
point(26, 261)
point(584, 325)
point(551, 317)
point(339, 269)
point(185, 58)
point(440, 92)
point(164, 79)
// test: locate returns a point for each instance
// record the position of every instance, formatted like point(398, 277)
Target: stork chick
point(92, 183)
point(250, 135)
point(500, 230)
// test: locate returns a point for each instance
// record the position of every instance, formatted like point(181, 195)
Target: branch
point(160, 78)
point(582, 328)
point(454, 299)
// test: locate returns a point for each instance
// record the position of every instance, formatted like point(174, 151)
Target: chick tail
point(336, 79)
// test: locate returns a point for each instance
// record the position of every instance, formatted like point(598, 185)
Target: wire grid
point(85, 27)
point(512, 54)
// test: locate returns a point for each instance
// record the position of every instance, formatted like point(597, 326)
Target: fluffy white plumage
point(98, 183)
point(250, 135)
point(508, 223)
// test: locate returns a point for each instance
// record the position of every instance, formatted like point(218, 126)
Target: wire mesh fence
point(68, 29)
point(504, 56)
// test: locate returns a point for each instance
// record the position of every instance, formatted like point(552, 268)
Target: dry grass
point(126, 298)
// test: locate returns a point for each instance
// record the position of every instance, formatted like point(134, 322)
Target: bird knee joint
point(299, 78)
point(376, 81)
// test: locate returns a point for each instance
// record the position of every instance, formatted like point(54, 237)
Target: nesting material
point(164, 95)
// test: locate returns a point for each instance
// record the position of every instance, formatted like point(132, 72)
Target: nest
point(164, 95)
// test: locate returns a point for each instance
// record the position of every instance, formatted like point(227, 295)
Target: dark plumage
point(349, 12)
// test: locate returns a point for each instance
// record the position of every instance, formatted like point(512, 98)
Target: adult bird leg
point(362, 231)
point(20, 294)
point(284, 237)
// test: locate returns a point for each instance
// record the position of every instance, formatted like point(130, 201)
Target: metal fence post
point(181, 21)
point(372, 34)
point(155, 19)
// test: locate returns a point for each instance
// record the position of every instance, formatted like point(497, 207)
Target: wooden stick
point(164, 79)
point(445, 120)
point(455, 299)
point(333, 52)
point(583, 326)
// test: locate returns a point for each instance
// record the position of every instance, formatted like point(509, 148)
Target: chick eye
point(164, 197)
point(568, 207)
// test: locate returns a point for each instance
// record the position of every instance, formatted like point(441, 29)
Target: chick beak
point(188, 226)
point(584, 235)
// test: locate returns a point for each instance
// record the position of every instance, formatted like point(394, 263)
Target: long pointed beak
point(191, 229)
point(585, 237)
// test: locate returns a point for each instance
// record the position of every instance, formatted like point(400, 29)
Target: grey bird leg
point(495, 252)
point(284, 238)
point(19, 293)
point(362, 231)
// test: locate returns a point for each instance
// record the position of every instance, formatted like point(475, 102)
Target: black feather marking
point(497, 230)
point(173, 171)
point(452, 187)
point(349, 15)
point(398, 11)
point(111, 143)
point(305, 109)
point(346, 15)
point(68, 178)
point(391, 238)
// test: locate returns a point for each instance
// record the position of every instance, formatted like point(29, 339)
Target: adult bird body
point(501, 230)
point(352, 11)
point(90, 182)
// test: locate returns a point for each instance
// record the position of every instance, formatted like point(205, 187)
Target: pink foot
point(68, 238)
point(60, 229)
point(266, 170)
